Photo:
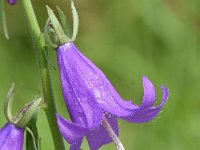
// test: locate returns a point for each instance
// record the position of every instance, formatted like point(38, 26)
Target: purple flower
point(89, 95)
point(11, 137)
point(12, 2)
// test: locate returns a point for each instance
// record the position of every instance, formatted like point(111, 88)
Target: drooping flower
point(89, 95)
point(11, 137)
point(12, 2)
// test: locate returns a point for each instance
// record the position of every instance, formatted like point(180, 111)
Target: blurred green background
point(126, 39)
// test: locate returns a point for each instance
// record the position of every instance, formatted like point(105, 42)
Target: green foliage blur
point(126, 39)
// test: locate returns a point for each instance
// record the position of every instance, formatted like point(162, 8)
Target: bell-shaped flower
point(12, 2)
point(11, 137)
point(89, 96)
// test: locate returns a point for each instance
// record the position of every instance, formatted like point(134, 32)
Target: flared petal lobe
point(149, 93)
point(146, 114)
point(12, 2)
point(11, 137)
point(72, 132)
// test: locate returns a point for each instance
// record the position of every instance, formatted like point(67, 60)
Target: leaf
point(3, 19)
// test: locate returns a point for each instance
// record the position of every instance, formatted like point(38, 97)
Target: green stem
point(39, 44)
point(33, 138)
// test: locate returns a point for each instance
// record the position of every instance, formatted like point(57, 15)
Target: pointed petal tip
point(149, 93)
point(165, 94)
point(71, 132)
point(144, 77)
point(146, 80)
point(148, 84)
point(146, 111)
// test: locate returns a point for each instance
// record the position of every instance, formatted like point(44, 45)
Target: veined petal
point(11, 137)
point(89, 87)
point(147, 114)
point(72, 132)
point(78, 98)
point(149, 93)
point(98, 137)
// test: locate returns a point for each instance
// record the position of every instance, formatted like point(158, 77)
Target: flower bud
point(23, 117)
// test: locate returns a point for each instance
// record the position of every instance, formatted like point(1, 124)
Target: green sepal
point(75, 21)
point(62, 38)
point(61, 35)
point(47, 30)
point(65, 23)
point(8, 102)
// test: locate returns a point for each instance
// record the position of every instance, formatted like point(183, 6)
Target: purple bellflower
point(12, 2)
point(89, 96)
point(11, 137)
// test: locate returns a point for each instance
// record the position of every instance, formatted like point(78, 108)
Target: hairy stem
point(112, 134)
point(39, 44)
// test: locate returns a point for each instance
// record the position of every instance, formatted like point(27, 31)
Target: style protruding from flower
point(90, 98)
point(12, 133)
point(12, 2)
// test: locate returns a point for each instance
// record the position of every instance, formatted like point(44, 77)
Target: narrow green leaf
point(3, 19)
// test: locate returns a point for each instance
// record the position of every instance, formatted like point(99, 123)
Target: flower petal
point(90, 85)
point(11, 137)
point(143, 115)
point(71, 132)
point(147, 114)
point(165, 94)
point(77, 145)
point(98, 137)
point(79, 101)
point(149, 93)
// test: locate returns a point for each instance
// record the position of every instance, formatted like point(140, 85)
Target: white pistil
point(112, 134)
